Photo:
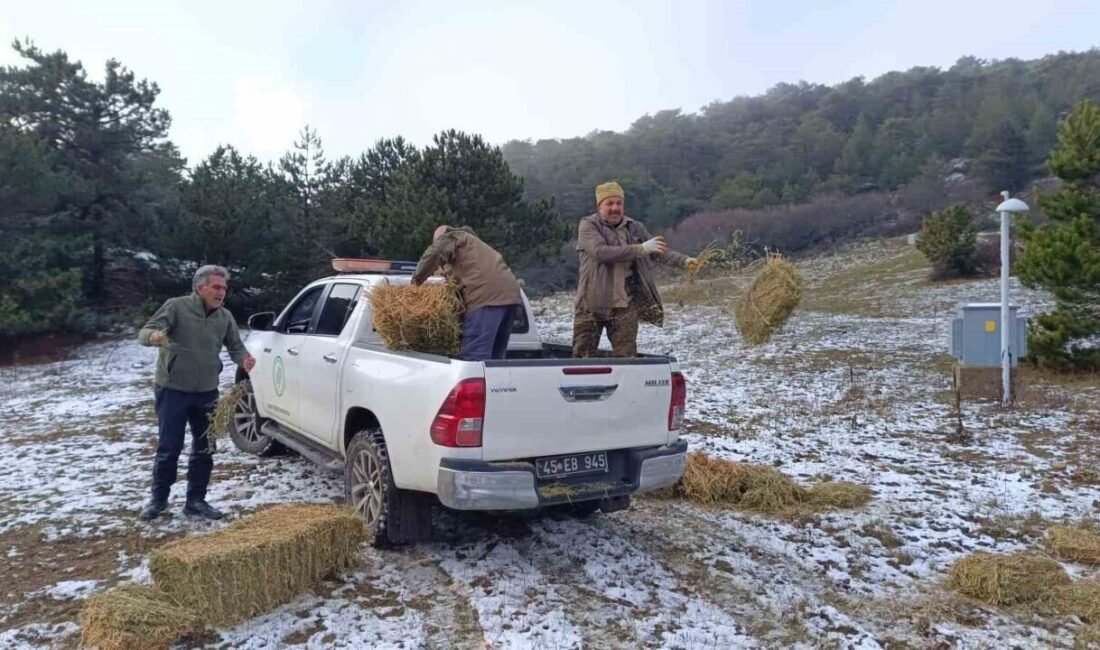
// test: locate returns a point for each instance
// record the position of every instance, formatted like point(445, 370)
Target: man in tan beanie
point(616, 289)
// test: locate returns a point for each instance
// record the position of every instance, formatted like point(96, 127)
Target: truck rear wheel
point(244, 427)
point(392, 516)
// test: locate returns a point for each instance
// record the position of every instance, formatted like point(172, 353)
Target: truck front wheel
point(392, 516)
point(244, 427)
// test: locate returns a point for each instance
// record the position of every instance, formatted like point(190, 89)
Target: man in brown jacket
point(490, 292)
point(616, 288)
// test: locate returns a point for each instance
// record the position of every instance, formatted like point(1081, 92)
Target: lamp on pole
point(1007, 209)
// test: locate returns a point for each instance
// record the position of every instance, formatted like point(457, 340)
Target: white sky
point(251, 74)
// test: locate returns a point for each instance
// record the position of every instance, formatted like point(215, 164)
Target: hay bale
point(421, 318)
point(1074, 544)
point(763, 488)
point(711, 480)
point(259, 562)
point(766, 489)
point(840, 494)
point(1080, 599)
point(133, 617)
point(769, 300)
point(1009, 579)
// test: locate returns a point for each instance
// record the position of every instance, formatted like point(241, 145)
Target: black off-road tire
point(392, 516)
point(244, 428)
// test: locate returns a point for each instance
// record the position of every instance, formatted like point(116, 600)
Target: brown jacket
point(483, 279)
point(601, 252)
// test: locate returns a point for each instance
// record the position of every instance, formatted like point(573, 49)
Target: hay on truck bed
point(423, 318)
point(133, 617)
point(768, 302)
point(259, 562)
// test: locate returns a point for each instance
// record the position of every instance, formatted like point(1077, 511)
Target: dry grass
point(555, 490)
point(133, 617)
point(769, 301)
point(1080, 599)
point(840, 494)
point(1074, 544)
point(222, 415)
point(759, 488)
point(259, 562)
point(1087, 637)
point(709, 256)
point(872, 281)
point(418, 318)
point(1009, 579)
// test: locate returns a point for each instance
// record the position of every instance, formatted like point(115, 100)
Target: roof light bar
point(367, 265)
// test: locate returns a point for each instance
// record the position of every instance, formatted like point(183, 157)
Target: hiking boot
point(202, 509)
point(152, 510)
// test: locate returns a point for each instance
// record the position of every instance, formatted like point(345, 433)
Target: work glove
point(655, 245)
point(693, 264)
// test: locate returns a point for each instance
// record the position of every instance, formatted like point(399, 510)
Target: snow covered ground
point(856, 387)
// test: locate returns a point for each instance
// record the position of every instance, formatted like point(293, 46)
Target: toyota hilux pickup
point(412, 431)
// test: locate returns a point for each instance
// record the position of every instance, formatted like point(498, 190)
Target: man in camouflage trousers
point(616, 289)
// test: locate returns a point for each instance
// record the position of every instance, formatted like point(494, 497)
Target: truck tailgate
point(549, 407)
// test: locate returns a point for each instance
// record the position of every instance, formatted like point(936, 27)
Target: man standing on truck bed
point(190, 332)
point(490, 292)
point(615, 288)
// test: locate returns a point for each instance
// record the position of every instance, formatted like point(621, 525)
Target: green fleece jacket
point(192, 363)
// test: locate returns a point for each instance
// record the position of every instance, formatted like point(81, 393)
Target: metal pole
point(1006, 362)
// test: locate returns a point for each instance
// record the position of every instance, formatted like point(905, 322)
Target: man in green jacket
point(190, 332)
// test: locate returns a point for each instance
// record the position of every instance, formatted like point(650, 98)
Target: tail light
point(678, 402)
point(462, 416)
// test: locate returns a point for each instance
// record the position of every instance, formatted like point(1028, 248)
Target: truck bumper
point(479, 485)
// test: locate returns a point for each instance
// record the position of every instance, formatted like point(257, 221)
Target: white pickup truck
point(410, 431)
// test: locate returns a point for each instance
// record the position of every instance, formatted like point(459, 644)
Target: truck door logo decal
point(278, 376)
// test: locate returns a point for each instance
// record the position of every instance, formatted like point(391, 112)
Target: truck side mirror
point(261, 322)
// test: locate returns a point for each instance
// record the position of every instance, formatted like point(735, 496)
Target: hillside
point(994, 120)
point(856, 387)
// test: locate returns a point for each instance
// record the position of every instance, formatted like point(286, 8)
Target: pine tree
point(1003, 163)
point(949, 240)
point(106, 139)
point(1063, 255)
point(856, 155)
point(305, 223)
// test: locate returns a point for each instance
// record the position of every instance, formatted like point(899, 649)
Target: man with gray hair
point(190, 332)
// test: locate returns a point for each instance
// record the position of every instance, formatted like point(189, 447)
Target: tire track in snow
point(517, 605)
point(623, 596)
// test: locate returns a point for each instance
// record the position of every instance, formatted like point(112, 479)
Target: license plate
point(571, 465)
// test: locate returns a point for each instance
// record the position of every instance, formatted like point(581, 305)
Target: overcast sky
point(251, 74)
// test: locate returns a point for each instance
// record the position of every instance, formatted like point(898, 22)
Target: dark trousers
point(175, 410)
point(622, 330)
point(485, 333)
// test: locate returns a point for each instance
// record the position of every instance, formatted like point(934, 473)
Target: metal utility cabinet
point(976, 335)
point(976, 346)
